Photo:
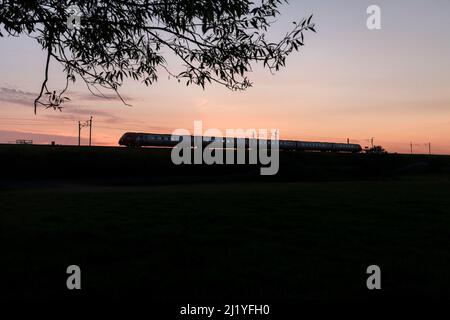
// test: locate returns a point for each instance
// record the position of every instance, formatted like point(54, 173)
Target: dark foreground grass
point(248, 242)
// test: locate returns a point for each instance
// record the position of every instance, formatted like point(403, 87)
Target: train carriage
point(133, 139)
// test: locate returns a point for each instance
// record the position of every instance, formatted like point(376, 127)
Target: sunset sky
point(346, 82)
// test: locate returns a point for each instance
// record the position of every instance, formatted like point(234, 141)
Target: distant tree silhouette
point(376, 150)
point(216, 40)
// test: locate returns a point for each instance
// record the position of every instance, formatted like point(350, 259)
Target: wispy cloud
point(75, 113)
point(72, 111)
point(13, 95)
point(86, 97)
point(17, 96)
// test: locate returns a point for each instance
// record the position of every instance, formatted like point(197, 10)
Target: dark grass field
point(225, 239)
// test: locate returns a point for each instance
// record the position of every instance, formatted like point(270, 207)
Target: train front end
point(129, 139)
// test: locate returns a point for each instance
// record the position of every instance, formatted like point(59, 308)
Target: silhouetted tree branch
point(216, 41)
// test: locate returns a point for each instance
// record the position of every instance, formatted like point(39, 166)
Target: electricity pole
point(90, 131)
point(411, 146)
point(87, 123)
point(429, 148)
point(79, 133)
point(371, 141)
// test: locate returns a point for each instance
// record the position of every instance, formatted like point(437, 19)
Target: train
point(135, 139)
